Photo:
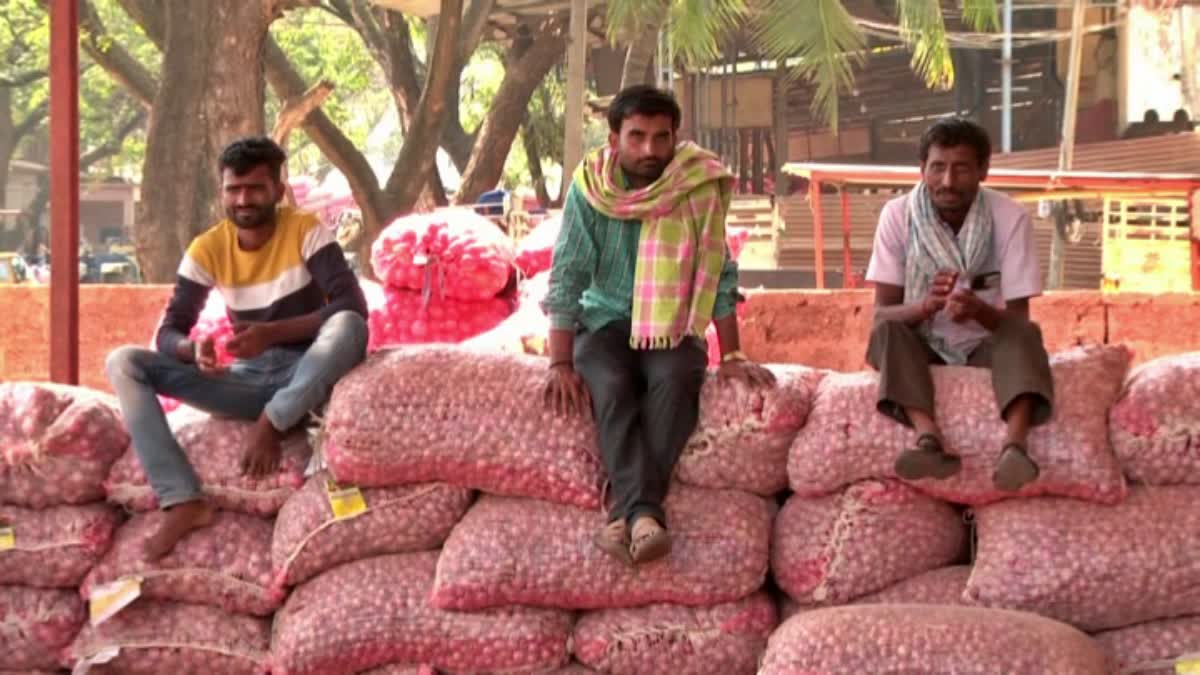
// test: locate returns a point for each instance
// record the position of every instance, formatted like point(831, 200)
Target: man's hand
point(963, 305)
point(566, 393)
point(206, 357)
point(939, 292)
point(250, 339)
point(747, 372)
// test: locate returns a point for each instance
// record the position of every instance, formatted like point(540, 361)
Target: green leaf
point(699, 29)
point(924, 30)
point(825, 39)
point(981, 15)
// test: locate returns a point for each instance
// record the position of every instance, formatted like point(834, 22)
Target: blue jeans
point(284, 384)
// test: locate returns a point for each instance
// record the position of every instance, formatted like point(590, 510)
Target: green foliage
point(321, 47)
point(819, 37)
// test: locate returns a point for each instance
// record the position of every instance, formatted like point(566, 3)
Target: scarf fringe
point(651, 343)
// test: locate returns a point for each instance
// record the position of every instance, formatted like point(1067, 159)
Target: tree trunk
point(639, 58)
point(8, 142)
point(410, 175)
point(212, 79)
point(527, 67)
point(534, 157)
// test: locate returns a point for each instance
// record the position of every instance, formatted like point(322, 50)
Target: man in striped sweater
point(299, 320)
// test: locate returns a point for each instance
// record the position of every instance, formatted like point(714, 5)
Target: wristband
point(561, 363)
point(735, 355)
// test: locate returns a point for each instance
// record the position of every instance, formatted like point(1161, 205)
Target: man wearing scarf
point(640, 270)
point(954, 265)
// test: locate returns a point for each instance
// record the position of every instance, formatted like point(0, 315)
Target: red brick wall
point(109, 316)
point(821, 328)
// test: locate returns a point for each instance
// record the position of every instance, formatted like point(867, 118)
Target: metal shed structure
point(1178, 224)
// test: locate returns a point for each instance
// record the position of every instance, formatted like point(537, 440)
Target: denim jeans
point(283, 383)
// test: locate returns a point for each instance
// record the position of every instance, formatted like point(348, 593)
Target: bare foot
point(650, 540)
point(263, 448)
point(178, 521)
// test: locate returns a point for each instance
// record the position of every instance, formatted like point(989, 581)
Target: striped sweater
point(299, 271)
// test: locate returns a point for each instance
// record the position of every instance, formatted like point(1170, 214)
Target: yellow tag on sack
point(108, 599)
point(8, 539)
point(1188, 667)
point(345, 502)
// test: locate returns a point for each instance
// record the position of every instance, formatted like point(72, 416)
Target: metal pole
point(64, 188)
point(576, 64)
point(1066, 154)
point(1006, 81)
point(818, 211)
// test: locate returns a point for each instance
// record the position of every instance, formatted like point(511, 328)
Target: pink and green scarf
point(681, 249)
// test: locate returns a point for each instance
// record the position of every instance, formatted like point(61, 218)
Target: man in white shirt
point(954, 266)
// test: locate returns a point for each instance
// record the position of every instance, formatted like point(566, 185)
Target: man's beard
point(261, 216)
point(649, 168)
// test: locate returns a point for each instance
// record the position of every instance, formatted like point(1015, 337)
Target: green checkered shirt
point(591, 281)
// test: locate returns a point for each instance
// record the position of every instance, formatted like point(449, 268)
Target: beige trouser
point(1014, 353)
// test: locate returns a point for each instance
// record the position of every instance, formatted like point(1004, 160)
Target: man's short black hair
point(949, 132)
point(244, 154)
point(642, 99)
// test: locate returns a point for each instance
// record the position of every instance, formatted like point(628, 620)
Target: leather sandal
point(1015, 469)
point(927, 460)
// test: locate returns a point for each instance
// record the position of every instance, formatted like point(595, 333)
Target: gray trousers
point(1014, 353)
point(283, 383)
point(646, 404)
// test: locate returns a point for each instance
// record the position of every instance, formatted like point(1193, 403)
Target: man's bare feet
point(263, 449)
point(650, 540)
point(178, 520)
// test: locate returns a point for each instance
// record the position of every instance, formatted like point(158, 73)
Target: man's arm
point(337, 282)
point(889, 306)
point(574, 264)
point(985, 314)
point(725, 318)
point(181, 315)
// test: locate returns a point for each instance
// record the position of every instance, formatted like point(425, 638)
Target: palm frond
point(699, 29)
point(981, 15)
point(824, 39)
point(627, 19)
point(924, 30)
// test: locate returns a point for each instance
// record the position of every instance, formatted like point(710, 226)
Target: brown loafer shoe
point(927, 460)
point(1015, 469)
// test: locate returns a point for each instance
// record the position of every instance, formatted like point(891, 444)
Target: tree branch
point(149, 15)
point(23, 79)
point(32, 120)
point(334, 145)
point(416, 159)
point(115, 59)
point(474, 24)
point(296, 110)
point(113, 145)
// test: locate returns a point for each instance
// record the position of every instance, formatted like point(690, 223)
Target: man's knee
point(889, 329)
point(1019, 329)
point(681, 376)
point(348, 326)
point(127, 361)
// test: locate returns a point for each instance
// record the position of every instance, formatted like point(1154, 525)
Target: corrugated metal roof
point(1169, 153)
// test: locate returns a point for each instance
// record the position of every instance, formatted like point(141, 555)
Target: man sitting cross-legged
point(299, 323)
point(640, 270)
point(954, 266)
